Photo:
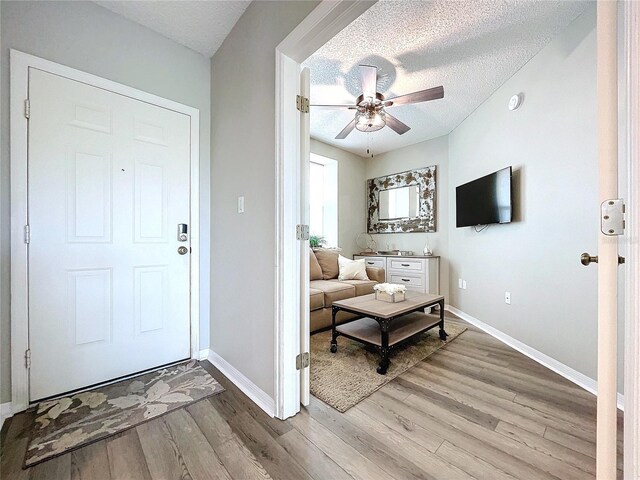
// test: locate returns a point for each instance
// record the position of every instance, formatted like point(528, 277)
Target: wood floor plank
point(90, 462)
point(471, 464)
point(499, 408)
point(541, 444)
point(239, 461)
point(376, 449)
point(311, 458)
point(273, 457)
point(438, 372)
point(422, 437)
point(126, 458)
point(440, 425)
point(15, 445)
point(346, 456)
point(161, 453)
point(577, 444)
point(58, 468)
point(432, 465)
point(199, 456)
point(541, 460)
point(211, 423)
point(447, 401)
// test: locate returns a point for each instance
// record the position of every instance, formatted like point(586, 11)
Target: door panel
point(305, 156)
point(108, 179)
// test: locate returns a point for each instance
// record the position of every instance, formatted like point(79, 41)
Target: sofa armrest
point(376, 274)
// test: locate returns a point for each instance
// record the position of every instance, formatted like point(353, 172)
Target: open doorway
point(580, 29)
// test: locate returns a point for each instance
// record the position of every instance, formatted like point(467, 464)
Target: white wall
point(352, 194)
point(88, 37)
point(551, 143)
point(243, 163)
point(419, 155)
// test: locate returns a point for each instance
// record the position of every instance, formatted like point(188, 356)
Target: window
point(323, 199)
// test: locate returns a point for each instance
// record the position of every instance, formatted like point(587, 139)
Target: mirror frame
point(425, 179)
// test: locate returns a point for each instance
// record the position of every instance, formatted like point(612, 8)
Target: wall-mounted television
point(485, 200)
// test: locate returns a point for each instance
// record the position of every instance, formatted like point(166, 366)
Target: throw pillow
point(328, 260)
point(315, 272)
point(352, 269)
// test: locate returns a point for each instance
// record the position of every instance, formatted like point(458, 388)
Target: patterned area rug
point(344, 378)
point(67, 423)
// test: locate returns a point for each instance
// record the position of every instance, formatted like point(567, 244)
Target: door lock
point(183, 250)
point(182, 232)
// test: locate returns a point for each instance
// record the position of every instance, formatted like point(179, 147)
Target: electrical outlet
point(507, 298)
point(241, 204)
point(459, 283)
point(464, 284)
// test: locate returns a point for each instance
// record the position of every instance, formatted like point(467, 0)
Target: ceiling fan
point(370, 105)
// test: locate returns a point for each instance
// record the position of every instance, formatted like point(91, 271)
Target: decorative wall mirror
point(403, 202)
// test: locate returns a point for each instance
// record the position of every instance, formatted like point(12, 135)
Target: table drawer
point(411, 282)
point(372, 261)
point(415, 265)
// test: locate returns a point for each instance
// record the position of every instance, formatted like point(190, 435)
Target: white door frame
point(322, 24)
point(19, 84)
point(315, 30)
point(632, 243)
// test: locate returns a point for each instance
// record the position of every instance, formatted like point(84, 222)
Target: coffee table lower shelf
point(367, 331)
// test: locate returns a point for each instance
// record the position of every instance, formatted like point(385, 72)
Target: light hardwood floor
point(474, 409)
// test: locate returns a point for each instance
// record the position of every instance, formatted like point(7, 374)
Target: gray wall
point(88, 37)
point(243, 163)
point(419, 155)
point(351, 194)
point(551, 143)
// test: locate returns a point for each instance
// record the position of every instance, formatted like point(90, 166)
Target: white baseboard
point(203, 354)
point(250, 389)
point(580, 379)
point(5, 412)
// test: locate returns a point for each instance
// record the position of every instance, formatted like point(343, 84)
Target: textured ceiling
point(199, 25)
point(470, 47)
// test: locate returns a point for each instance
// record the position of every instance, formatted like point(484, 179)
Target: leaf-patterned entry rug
point(67, 423)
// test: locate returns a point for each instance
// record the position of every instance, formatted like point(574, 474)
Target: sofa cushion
point(333, 291)
point(316, 299)
point(328, 260)
point(315, 272)
point(363, 287)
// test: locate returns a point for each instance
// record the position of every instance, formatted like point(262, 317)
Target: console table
point(420, 273)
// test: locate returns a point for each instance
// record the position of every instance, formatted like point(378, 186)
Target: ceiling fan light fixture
point(370, 120)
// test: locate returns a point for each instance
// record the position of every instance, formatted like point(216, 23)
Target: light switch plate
point(464, 284)
point(241, 204)
point(459, 283)
point(507, 298)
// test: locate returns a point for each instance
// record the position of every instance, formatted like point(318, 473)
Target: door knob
point(183, 250)
point(586, 259)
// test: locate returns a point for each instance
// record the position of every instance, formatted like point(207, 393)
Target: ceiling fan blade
point(334, 107)
point(368, 80)
point(416, 97)
point(396, 125)
point(346, 130)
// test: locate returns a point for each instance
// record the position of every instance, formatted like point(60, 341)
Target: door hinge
point(27, 234)
point(27, 109)
point(302, 103)
point(302, 232)
point(27, 358)
point(612, 217)
point(303, 360)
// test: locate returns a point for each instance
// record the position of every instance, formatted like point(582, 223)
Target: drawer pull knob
point(406, 280)
point(405, 265)
point(370, 263)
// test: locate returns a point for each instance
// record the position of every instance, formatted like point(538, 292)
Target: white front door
point(108, 184)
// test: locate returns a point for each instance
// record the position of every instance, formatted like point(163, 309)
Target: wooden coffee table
point(385, 325)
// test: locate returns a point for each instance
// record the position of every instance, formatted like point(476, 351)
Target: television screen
point(485, 200)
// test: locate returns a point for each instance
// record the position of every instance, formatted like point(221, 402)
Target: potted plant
point(316, 241)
